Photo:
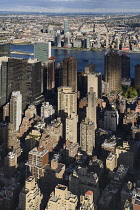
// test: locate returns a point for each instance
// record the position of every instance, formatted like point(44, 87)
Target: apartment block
point(30, 197)
point(61, 198)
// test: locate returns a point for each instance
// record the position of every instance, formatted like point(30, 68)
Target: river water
point(83, 57)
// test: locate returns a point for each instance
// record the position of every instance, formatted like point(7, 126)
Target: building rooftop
point(110, 157)
point(61, 187)
point(57, 170)
point(38, 151)
point(89, 192)
point(30, 179)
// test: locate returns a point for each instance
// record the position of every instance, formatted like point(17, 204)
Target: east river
point(83, 57)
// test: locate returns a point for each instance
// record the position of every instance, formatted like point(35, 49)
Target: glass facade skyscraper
point(66, 26)
point(42, 51)
point(5, 50)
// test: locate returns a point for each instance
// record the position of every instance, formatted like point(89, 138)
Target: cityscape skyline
point(69, 133)
point(71, 6)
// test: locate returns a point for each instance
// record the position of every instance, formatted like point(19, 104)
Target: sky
point(71, 6)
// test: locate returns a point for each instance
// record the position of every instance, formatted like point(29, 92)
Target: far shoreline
point(75, 49)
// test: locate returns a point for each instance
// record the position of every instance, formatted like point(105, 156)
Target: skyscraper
point(57, 40)
point(67, 101)
point(21, 75)
point(3, 81)
point(67, 40)
point(71, 128)
point(90, 68)
point(113, 70)
point(66, 26)
point(125, 66)
point(94, 80)
point(42, 51)
point(5, 49)
point(87, 136)
point(16, 109)
point(69, 73)
point(91, 107)
point(49, 76)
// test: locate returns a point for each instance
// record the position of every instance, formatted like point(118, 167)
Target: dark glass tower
point(5, 50)
point(24, 76)
point(42, 51)
point(69, 73)
point(113, 70)
point(125, 66)
point(49, 76)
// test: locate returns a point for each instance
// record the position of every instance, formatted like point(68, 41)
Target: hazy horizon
point(71, 6)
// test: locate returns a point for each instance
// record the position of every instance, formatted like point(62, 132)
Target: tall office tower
point(90, 68)
point(83, 79)
point(87, 136)
point(42, 51)
point(57, 40)
point(67, 40)
point(58, 75)
point(125, 66)
point(66, 26)
point(30, 196)
point(87, 43)
point(33, 81)
point(137, 75)
point(91, 107)
point(69, 73)
point(5, 50)
point(61, 198)
point(49, 76)
point(25, 76)
point(94, 80)
point(16, 109)
point(37, 160)
point(113, 73)
point(71, 128)
point(67, 102)
point(3, 81)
